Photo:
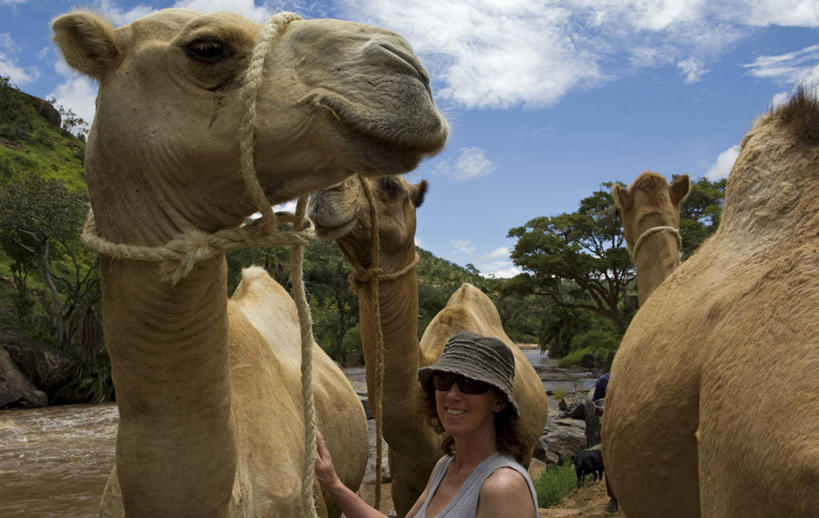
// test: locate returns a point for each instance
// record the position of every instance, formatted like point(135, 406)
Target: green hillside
point(32, 141)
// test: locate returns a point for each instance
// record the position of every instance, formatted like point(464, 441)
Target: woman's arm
point(350, 503)
point(505, 493)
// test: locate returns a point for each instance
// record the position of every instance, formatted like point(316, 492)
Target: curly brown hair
point(507, 425)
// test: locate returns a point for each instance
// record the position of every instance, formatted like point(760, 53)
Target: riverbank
point(54, 461)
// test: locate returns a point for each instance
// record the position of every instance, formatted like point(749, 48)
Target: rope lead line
point(177, 258)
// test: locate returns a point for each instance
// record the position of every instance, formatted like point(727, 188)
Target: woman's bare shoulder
point(505, 493)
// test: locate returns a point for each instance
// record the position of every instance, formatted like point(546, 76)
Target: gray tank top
point(465, 502)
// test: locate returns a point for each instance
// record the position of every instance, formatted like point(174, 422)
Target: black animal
point(588, 462)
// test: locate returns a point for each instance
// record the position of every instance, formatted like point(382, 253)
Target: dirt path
point(588, 502)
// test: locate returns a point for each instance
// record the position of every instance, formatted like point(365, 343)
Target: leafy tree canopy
point(577, 260)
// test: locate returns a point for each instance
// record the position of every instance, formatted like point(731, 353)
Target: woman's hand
point(325, 471)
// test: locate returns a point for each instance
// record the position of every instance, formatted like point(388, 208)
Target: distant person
point(600, 393)
point(600, 387)
point(467, 394)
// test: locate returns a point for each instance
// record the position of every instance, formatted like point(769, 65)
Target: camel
point(713, 403)
point(208, 389)
point(342, 213)
point(650, 211)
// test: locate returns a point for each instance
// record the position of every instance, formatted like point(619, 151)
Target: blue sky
point(546, 99)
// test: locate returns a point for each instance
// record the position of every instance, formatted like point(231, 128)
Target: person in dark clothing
point(600, 387)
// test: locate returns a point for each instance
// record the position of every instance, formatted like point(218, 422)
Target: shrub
point(574, 357)
point(554, 483)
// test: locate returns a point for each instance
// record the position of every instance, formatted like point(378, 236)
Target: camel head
point(649, 202)
point(335, 98)
point(342, 213)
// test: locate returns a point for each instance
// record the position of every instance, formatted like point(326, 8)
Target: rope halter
point(640, 240)
point(177, 258)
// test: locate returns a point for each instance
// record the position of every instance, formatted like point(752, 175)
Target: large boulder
point(561, 438)
point(15, 390)
point(43, 365)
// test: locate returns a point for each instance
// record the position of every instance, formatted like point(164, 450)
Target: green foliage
point(15, 123)
point(574, 357)
point(554, 483)
point(700, 213)
point(577, 260)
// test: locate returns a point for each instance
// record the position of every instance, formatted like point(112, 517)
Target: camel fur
point(713, 403)
point(342, 212)
point(208, 389)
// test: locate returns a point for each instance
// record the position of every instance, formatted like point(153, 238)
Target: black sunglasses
point(443, 381)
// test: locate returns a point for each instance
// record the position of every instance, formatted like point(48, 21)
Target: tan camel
point(208, 391)
point(342, 213)
point(650, 211)
point(713, 403)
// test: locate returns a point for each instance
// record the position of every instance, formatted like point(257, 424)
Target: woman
point(468, 396)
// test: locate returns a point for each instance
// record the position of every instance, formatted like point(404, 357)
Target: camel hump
point(256, 283)
point(479, 304)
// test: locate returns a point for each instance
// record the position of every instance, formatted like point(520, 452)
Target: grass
point(574, 357)
point(554, 483)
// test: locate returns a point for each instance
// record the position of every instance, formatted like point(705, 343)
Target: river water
point(54, 461)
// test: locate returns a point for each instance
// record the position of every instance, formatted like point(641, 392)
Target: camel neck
point(658, 257)
point(169, 360)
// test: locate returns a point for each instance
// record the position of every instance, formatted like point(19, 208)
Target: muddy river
point(54, 461)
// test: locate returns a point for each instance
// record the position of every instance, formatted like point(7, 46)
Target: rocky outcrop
point(15, 390)
point(561, 438)
point(45, 109)
point(45, 367)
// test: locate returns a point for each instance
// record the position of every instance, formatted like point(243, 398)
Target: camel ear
point(679, 189)
point(88, 42)
point(621, 196)
point(417, 192)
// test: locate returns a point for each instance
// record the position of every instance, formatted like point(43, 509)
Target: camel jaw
point(332, 233)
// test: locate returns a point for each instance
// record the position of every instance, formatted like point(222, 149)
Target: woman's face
point(463, 414)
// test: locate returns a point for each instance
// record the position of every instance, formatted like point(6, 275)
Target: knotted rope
point(653, 230)
point(177, 258)
point(372, 276)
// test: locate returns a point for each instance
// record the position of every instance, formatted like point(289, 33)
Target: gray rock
point(15, 389)
point(44, 366)
point(561, 438)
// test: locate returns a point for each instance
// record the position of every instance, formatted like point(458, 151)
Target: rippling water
point(54, 461)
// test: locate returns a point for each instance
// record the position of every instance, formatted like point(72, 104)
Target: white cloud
point(692, 69)
point(492, 54)
point(498, 252)
point(463, 246)
point(471, 163)
point(498, 269)
point(288, 206)
point(118, 16)
point(722, 167)
point(246, 8)
point(8, 63)
point(789, 68)
point(76, 92)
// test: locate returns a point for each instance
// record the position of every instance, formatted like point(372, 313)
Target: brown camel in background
point(713, 403)
point(342, 213)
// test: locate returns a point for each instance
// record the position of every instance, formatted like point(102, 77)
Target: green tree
point(39, 229)
point(577, 260)
point(325, 276)
point(700, 213)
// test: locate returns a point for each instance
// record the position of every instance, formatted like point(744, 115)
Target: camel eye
point(390, 187)
point(206, 50)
